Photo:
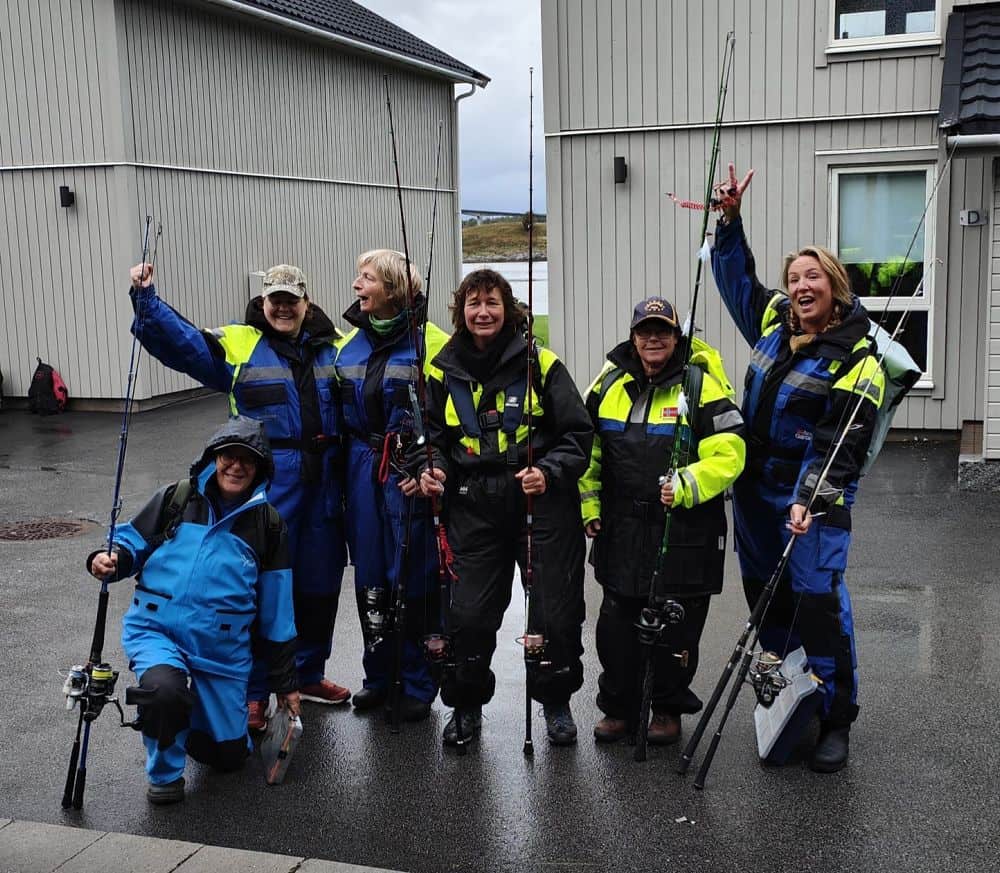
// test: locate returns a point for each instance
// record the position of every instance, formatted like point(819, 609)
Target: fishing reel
point(92, 687)
point(376, 621)
point(653, 620)
point(534, 649)
point(438, 648)
point(766, 678)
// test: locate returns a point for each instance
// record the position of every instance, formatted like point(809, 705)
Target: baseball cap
point(654, 308)
point(285, 277)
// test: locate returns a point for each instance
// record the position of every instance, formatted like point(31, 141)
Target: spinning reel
point(654, 620)
point(766, 678)
point(92, 687)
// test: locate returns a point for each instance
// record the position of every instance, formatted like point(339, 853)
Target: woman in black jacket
point(478, 399)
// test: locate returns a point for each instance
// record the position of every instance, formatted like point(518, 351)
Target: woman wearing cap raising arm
point(635, 406)
point(810, 364)
point(277, 367)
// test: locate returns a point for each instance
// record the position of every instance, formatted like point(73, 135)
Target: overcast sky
point(501, 40)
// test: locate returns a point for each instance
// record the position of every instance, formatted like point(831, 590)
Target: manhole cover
point(43, 529)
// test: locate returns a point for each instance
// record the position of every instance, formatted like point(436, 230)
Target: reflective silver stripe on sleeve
point(404, 372)
point(869, 389)
point(216, 331)
point(261, 374)
point(727, 420)
point(692, 485)
point(809, 383)
point(589, 495)
point(353, 374)
point(761, 359)
point(327, 371)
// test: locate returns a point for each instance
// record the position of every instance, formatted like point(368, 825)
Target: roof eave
point(320, 33)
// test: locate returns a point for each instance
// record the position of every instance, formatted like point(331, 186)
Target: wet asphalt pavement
point(920, 792)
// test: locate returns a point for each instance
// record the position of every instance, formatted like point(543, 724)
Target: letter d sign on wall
point(973, 217)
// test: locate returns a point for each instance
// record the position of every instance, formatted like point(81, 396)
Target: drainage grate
point(43, 529)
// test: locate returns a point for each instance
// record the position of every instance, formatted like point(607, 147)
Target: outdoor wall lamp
point(66, 197)
point(621, 170)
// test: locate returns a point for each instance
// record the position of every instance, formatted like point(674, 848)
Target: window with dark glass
point(885, 247)
point(862, 19)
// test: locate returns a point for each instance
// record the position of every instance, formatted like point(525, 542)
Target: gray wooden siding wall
point(250, 145)
point(991, 431)
point(60, 112)
point(614, 67)
point(297, 136)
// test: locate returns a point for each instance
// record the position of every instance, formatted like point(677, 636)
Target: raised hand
point(728, 194)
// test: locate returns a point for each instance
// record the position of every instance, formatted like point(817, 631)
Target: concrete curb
point(30, 847)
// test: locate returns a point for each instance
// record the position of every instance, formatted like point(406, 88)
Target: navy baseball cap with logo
point(654, 309)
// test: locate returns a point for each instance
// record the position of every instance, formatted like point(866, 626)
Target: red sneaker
point(257, 710)
point(325, 691)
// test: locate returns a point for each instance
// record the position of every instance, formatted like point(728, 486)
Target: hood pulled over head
point(239, 431)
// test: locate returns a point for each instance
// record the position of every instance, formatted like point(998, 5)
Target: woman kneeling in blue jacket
point(210, 559)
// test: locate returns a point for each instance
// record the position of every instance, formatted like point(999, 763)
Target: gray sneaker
point(559, 724)
point(472, 721)
point(169, 792)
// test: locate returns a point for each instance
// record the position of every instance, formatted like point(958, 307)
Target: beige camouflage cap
point(285, 277)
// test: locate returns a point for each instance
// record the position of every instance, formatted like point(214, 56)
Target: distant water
point(516, 272)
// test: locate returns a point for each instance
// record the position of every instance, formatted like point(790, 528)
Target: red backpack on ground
point(47, 393)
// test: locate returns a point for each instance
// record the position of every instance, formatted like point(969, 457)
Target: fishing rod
point(399, 610)
point(534, 644)
point(91, 686)
point(439, 647)
point(742, 653)
point(660, 611)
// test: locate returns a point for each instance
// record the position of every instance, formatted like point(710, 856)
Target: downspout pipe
point(455, 183)
point(975, 140)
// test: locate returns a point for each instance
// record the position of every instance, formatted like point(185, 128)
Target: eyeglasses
point(228, 458)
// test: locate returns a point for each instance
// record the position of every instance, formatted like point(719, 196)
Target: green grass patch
point(541, 329)
point(502, 241)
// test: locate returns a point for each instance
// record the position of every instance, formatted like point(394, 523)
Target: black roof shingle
point(970, 84)
point(345, 18)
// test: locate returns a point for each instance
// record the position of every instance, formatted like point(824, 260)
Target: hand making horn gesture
point(729, 194)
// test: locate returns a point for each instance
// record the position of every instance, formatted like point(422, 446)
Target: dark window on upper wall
point(867, 19)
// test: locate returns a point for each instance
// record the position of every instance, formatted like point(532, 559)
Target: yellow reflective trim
point(771, 319)
point(238, 342)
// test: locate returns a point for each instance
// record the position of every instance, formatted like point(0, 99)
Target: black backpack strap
point(269, 526)
point(179, 496)
point(695, 377)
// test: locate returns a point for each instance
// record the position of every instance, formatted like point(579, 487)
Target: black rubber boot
point(368, 698)
point(410, 709)
point(472, 721)
point(170, 792)
point(830, 754)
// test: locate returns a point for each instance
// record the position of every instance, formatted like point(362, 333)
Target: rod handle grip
point(81, 783)
point(74, 756)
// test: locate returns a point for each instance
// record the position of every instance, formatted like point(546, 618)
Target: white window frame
point(889, 41)
point(877, 305)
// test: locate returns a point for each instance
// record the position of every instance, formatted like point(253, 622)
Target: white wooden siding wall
point(991, 432)
point(613, 244)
